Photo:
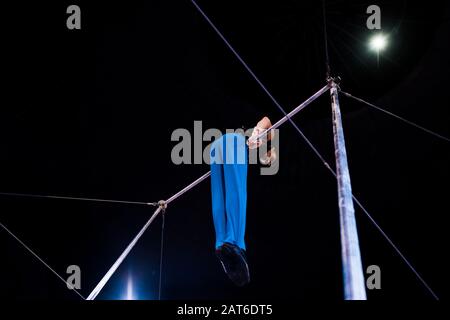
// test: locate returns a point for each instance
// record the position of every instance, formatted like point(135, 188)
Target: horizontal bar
point(295, 111)
point(189, 187)
point(275, 126)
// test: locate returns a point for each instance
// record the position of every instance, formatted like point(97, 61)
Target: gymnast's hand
point(269, 157)
point(261, 126)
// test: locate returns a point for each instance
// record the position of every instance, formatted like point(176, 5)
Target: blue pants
point(229, 160)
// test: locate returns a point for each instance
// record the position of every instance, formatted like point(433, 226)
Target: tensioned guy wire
point(325, 35)
point(42, 261)
point(437, 135)
point(308, 142)
point(395, 248)
point(39, 196)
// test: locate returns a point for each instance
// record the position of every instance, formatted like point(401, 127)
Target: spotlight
point(378, 42)
point(130, 294)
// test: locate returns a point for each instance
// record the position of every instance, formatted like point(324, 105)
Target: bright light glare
point(378, 42)
point(130, 295)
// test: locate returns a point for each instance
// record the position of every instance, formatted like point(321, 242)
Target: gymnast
point(229, 161)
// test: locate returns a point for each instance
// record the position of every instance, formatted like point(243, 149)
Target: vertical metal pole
point(354, 283)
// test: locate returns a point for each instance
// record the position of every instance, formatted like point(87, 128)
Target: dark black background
point(91, 112)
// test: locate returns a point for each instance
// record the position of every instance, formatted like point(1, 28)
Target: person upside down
point(229, 162)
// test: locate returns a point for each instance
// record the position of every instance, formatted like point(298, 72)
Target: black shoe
point(234, 262)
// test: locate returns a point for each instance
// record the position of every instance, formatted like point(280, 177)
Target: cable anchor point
point(336, 80)
point(163, 205)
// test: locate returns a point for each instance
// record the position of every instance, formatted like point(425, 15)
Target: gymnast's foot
point(234, 262)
